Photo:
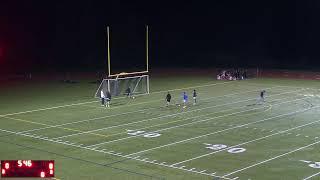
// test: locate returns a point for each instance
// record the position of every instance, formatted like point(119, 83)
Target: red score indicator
point(42, 174)
point(27, 168)
point(6, 166)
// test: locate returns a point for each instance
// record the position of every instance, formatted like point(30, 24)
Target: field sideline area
point(226, 135)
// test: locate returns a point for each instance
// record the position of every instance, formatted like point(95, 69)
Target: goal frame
point(123, 78)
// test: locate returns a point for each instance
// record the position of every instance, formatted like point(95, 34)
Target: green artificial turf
point(277, 137)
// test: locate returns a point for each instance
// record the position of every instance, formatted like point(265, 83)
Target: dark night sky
point(53, 35)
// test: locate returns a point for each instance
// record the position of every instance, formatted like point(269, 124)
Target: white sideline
point(276, 157)
point(309, 177)
point(244, 143)
point(79, 146)
point(160, 117)
point(235, 127)
point(43, 109)
point(98, 118)
point(194, 122)
point(88, 102)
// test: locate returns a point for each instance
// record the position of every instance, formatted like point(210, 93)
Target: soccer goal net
point(119, 85)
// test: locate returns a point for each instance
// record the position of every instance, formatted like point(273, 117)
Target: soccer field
point(226, 135)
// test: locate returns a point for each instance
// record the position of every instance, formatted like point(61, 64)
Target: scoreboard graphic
point(27, 168)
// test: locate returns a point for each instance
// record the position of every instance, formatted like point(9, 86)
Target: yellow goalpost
point(127, 73)
point(116, 83)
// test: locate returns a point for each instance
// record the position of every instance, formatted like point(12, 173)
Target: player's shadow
point(120, 102)
point(255, 104)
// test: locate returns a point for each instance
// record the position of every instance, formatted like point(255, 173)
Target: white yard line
point(116, 154)
point(276, 157)
point(244, 143)
point(87, 120)
point(271, 84)
point(194, 122)
point(146, 127)
point(160, 117)
point(88, 102)
point(103, 117)
point(98, 118)
point(79, 146)
point(120, 139)
point(309, 177)
point(227, 129)
point(190, 87)
point(48, 108)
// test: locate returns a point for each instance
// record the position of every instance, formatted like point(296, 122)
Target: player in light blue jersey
point(185, 99)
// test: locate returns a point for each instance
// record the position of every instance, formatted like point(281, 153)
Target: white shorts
point(184, 101)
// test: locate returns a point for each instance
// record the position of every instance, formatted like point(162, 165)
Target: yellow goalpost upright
point(138, 80)
point(128, 73)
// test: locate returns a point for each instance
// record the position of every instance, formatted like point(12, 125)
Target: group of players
point(106, 98)
point(184, 98)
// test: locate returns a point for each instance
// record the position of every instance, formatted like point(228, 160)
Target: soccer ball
point(133, 97)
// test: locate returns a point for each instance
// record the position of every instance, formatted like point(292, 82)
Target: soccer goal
point(139, 85)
